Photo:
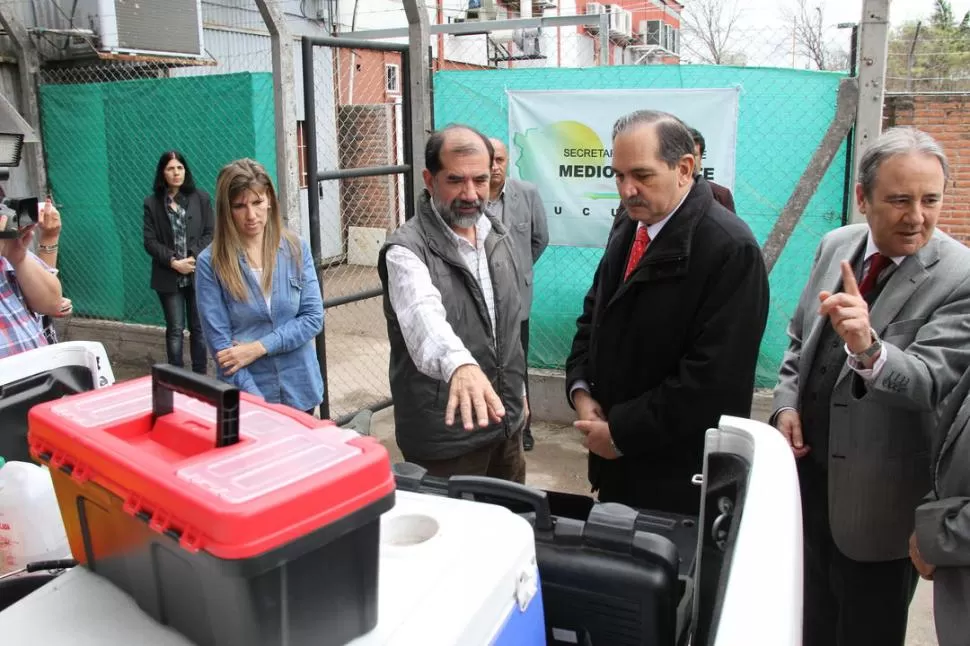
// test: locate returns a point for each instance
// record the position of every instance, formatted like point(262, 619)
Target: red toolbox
point(234, 521)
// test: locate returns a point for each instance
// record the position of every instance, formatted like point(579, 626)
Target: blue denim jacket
point(289, 373)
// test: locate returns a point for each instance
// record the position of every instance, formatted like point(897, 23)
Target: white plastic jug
point(31, 528)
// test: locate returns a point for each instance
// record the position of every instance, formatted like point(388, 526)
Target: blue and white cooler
point(456, 573)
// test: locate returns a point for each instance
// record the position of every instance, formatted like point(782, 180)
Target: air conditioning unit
point(660, 34)
point(481, 10)
point(593, 8)
point(170, 28)
point(620, 20)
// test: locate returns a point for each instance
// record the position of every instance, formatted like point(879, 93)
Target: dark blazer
point(943, 520)
point(723, 196)
point(879, 434)
point(669, 351)
point(160, 241)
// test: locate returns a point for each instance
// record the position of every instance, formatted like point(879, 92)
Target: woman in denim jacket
point(258, 295)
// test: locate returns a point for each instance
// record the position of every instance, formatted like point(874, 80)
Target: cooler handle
point(167, 379)
point(504, 490)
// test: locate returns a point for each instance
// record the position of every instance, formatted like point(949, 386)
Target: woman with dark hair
point(258, 295)
point(178, 225)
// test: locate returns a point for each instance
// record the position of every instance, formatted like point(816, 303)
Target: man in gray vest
point(878, 340)
point(517, 205)
point(453, 309)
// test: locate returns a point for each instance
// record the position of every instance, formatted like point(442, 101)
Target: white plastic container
point(456, 573)
point(31, 528)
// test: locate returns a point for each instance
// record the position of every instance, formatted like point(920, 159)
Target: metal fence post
point(284, 99)
point(419, 96)
point(873, 52)
point(313, 208)
point(604, 39)
point(28, 68)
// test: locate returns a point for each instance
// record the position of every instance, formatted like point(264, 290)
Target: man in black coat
point(669, 335)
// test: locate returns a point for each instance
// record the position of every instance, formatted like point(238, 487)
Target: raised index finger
point(849, 284)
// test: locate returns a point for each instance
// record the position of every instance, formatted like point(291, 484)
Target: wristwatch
point(869, 352)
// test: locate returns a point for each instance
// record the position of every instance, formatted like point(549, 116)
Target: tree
point(931, 55)
point(707, 26)
point(809, 35)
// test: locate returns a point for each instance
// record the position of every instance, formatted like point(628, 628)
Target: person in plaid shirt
point(28, 290)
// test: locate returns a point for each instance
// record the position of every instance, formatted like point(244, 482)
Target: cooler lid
point(234, 475)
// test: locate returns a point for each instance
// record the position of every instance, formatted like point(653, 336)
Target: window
point(301, 154)
point(392, 79)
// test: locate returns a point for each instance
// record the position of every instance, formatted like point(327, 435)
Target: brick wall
point(947, 118)
point(361, 75)
point(366, 138)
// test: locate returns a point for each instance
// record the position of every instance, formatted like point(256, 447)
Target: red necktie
point(877, 263)
point(640, 243)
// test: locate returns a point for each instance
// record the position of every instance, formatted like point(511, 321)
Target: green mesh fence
point(102, 142)
point(783, 115)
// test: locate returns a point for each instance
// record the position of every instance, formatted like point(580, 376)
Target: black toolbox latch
point(611, 526)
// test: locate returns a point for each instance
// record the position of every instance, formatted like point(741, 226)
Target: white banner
point(561, 141)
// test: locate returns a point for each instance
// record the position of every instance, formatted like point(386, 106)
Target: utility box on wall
point(364, 245)
point(169, 28)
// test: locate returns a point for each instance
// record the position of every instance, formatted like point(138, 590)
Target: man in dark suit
point(669, 335)
point(721, 193)
point(517, 205)
point(879, 338)
point(940, 547)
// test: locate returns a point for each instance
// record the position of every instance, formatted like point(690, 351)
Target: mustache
point(465, 204)
point(634, 201)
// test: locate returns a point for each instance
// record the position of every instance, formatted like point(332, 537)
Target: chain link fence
point(359, 121)
point(783, 114)
point(106, 120)
point(106, 123)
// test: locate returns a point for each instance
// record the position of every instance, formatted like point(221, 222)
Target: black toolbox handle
point(504, 490)
point(168, 379)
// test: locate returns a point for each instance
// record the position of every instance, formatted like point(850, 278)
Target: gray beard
point(453, 219)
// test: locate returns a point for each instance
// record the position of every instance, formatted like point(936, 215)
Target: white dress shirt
point(432, 343)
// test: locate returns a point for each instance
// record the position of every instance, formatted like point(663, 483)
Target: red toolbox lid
point(235, 475)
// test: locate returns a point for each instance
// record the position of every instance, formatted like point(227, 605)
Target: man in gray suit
point(879, 338)
point(518, 206)
point(940, 547)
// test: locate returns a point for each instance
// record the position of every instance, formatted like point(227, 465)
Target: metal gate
point(357, 143)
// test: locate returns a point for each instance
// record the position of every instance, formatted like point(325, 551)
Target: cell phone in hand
point(21, 214)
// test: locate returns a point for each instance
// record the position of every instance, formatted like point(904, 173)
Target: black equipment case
point(611, 575)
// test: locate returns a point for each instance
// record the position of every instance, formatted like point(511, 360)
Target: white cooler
point(456, 573)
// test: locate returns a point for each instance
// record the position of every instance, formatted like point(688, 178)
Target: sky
point(763, 35)
point(757, 13)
